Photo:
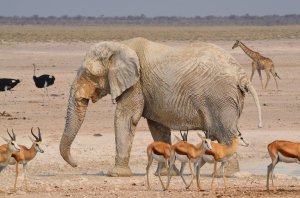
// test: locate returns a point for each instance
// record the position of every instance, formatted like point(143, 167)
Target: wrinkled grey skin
point(196, 87)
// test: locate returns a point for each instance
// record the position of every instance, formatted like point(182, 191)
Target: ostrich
point(6, 84)
point(43, 81)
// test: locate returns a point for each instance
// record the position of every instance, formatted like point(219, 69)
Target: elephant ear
point(124, 70)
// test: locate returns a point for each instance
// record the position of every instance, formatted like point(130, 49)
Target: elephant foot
point(164, 171)
point(231, 168)
point(121, 168)
point(200, 187)
point(120, 171)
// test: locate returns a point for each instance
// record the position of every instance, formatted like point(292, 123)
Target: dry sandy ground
point(50, 176)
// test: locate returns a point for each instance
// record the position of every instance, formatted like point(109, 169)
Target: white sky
point(150, 8)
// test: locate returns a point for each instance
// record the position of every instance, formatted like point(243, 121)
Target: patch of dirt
point(5, 114)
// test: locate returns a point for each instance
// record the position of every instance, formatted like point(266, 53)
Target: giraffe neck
point(252, 54)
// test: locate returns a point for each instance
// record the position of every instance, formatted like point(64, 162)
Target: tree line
point(246, 20)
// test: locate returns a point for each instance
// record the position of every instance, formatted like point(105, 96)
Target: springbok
point(282, 151)
point(187, 152)
point(220, 153)
point(161, 152)
point(25, 155)
point(7, 150)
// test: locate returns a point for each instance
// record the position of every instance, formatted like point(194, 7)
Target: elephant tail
point(246, 86)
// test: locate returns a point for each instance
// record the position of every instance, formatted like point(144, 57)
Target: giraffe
point(259, 63)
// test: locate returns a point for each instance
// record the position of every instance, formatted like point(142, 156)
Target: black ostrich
point(43, 81)
point(6, 84)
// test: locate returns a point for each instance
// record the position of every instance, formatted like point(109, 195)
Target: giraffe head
point(236, 44)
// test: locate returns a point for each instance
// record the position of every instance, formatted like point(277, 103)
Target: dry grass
point(97, 33)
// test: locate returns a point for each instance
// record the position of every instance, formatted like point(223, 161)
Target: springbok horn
point(201, 137)
point(187, 132)
point(14, 135)
point(182, 136)
point(9, 135)
point(240, 134)
point(40, 136)
point(36, 138)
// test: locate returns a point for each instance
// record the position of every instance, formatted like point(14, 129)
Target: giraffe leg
point(268, 78)
point(261, 82)
point(17, 174)
point(253, 70)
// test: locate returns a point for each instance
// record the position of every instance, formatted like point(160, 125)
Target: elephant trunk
point(255, 97)
point(75, 116)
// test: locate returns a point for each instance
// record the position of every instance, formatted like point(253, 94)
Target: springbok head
point(37, 141)
point(242, 141)
point(206, 142)
point(12, 145)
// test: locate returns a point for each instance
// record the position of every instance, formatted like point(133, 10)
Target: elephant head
point(108, 68)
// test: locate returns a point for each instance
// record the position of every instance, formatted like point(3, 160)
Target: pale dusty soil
point(50, 176)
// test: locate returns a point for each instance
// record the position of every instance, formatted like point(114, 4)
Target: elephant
point(199, 86)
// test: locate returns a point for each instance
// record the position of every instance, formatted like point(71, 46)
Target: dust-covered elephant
point(195, 87)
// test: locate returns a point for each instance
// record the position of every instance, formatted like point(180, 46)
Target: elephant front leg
point(124, 134)
point(127, 115)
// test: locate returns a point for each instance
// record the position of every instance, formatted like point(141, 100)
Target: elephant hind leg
point(161, 133)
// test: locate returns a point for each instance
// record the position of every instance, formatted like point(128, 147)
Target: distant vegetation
point(59, 33)
point(94, 29)
point(232, 20)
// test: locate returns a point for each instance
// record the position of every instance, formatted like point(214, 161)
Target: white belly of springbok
point(159, 158)
point(285, 159)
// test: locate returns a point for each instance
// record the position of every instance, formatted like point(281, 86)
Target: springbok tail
point(277, 75)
